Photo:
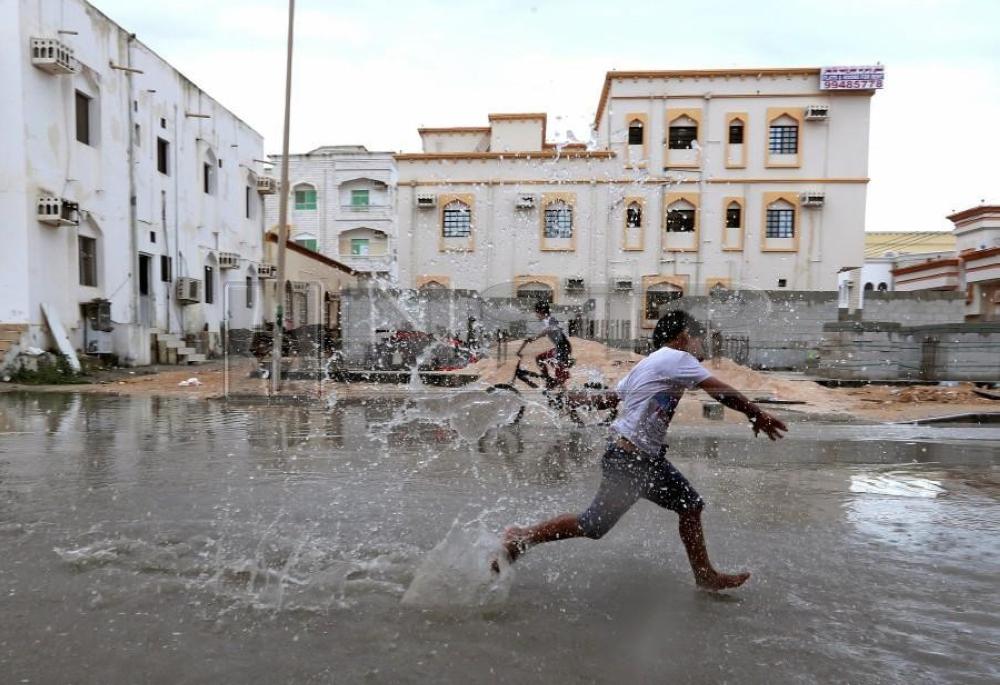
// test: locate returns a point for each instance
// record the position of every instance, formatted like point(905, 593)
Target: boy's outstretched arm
point(734, 399)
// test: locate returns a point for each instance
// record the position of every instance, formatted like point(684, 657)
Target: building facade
point(130, 196)
point(342, 203)
point(974, 266)
point(695, 180)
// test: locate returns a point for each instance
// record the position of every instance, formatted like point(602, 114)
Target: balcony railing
point(364, 208)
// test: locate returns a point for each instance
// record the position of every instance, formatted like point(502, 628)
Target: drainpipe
point(177, 218)
point(133, 233)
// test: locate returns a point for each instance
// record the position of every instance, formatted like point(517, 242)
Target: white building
point(119, 179)
point(342, 204)
point(742, 178)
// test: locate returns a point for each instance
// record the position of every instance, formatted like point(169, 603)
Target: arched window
point(558, 220)
point(305, 197)
point(657, 296)
point(433, 285)
point(869, 287)
point(783, 136)
point(633, 215)
point(306, 240)
point(635, 132)
point(734, 215)
point(535, 291)
point(680, 217)
point(683, 133)
point(736, 132)
point(883, 287)
point(456, 220)
point(780, 220)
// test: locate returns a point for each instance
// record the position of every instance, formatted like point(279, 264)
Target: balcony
point(379, 212)
point(367, 263)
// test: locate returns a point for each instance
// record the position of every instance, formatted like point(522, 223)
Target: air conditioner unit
point(267, 270)
point(53, 56)
point(229, 260)
point(525, 202)
point(574, 285)
point(299, 286)
point(57, 211)
point(267, 185)
point(622, 285)
point(812, 198)
point(425, 201)
point(817, 113)
point(188, 290)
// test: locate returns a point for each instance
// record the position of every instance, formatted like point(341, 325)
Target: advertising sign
point(852, 78)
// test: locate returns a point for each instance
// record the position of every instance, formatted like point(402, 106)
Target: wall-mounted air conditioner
point(526, 201)
point(299, 286)
point(574, 285)
point(267, 185)
point(817, 113)
point(812, 198)
point(57, 212)
point(425, 200)
point(621, 285)
point(229, 260)
point(267, 270)
point(188, 290)
point(53, 56)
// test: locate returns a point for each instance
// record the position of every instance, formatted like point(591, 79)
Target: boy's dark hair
point(672, 324)
point(542, 307)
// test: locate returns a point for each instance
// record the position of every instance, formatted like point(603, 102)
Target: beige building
point(696, 179)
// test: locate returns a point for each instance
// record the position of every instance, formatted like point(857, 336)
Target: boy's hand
point(770, 425)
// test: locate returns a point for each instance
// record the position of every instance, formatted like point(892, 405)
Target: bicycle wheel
point(507, 388)
point(592, 407)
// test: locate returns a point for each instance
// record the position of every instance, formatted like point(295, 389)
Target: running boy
point(558, 357)
point(634, 465)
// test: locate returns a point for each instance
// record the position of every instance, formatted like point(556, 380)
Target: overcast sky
point(372, 72)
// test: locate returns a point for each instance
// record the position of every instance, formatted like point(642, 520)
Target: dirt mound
point(756, 384)
point(594, 362)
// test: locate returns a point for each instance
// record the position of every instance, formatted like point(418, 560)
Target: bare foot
point(714, 581)
point(514, 542)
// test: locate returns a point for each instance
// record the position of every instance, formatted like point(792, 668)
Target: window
point(138, 135)
point(535, 293)
point(209, 285)
point(88, 260)
point(163, 123)
point(456, 220)
point(682, 137)
point(145, 273)
point(359, 198)
point(558, 220)
point(208, 178)
point(869, 287)
point(784, 140)
point(882, 287)
point(166, 268)
point(249, 292)
point(635, 133)
point(736, 133)
point(248, 201)
point(680, 221)
point(83, 118)
point(656, 299)
point(359, 247)
point(305, 198)
point(152, 236)
point(780, 223)
point(633, 216)
point(162, 154)
point(734, 216)
point(307, 242)
point(782, 282)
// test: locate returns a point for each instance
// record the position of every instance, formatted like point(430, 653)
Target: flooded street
point(169, 541)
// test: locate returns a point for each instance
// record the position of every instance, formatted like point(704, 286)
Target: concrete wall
point(888, 351)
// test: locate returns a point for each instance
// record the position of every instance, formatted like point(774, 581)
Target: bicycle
point(593, 405)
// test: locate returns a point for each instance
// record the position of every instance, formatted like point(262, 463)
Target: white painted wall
point(42, 155)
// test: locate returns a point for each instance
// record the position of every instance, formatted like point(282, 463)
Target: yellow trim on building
point(426, 279)
point(549, 280)
point(444, 244)
point(744, 118)
point(547, 199)
point(679, 281)
point(673, 114)
point(695, 200)
point(768, 199)
point(641, 201)
point(741, 231)
point(774, 113)
point(644, 120)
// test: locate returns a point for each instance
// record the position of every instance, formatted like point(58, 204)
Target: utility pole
point(279, 313)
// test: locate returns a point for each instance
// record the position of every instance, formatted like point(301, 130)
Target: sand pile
point(594, 362)
point(959, 394)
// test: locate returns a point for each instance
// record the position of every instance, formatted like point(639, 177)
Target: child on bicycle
point(558, 357)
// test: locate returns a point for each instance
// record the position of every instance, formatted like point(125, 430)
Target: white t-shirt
point(649, 394)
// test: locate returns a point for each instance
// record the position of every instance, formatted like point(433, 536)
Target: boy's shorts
point(627, 477)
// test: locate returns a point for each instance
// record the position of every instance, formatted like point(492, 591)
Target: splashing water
point(457, 572)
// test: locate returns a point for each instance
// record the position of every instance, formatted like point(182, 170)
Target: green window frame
point(308, 243)
point(360, 198)
point(305, 199)
point(360, 247)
